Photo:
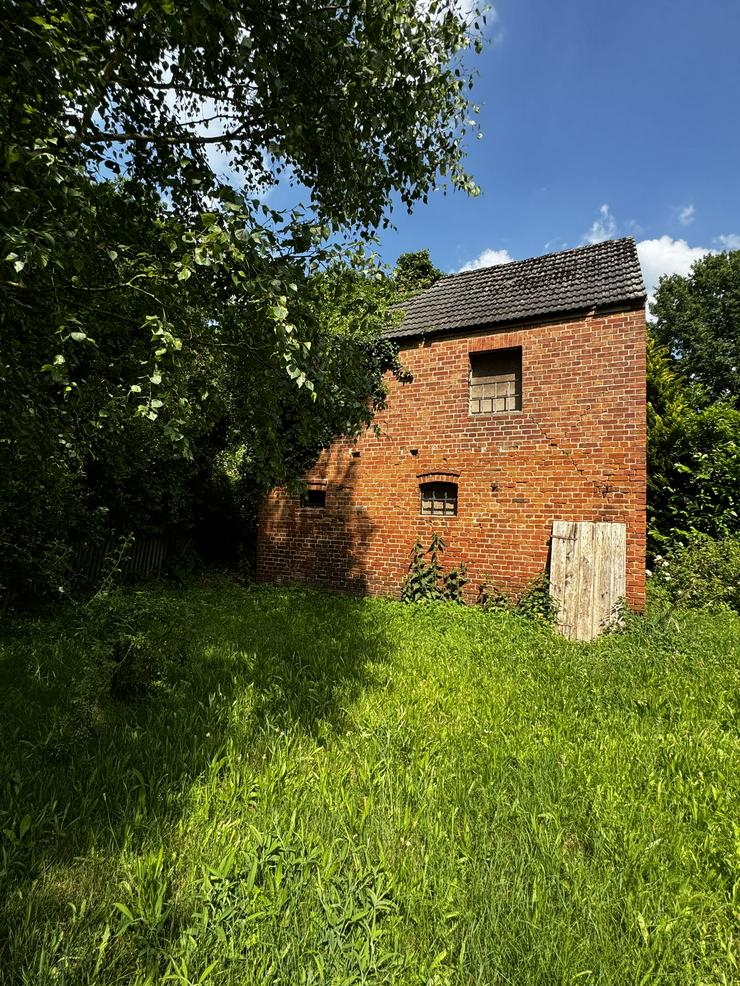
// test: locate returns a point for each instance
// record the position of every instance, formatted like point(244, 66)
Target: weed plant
point(427, 581)
point(533, 602)
point(311, 789)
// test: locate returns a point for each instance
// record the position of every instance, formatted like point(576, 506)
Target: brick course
point(575, 452)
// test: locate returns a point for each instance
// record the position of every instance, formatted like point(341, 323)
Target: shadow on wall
point(321, 539)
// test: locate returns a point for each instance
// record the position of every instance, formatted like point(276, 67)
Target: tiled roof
point(605, 273)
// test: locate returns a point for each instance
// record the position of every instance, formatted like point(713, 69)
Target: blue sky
point(598, 119)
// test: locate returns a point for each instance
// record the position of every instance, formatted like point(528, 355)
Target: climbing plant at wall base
point(427, 580)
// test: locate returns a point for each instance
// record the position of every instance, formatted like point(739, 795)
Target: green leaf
point(126, 911)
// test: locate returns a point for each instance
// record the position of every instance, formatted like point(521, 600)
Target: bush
point(702, 572)
point(535, 602)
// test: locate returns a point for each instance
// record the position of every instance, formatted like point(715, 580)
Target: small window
point(314, 498)
point(438, 499)
point(496, 381)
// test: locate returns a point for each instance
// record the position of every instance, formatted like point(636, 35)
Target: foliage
point(426, 580)
point(415, 271)
point(156, 312)
point(704, 571)
point(697, 319)
point(693, 458)
point(534, 602)
point(326, 789)
point(356, 106)
point(453, 584)
point(421, 581)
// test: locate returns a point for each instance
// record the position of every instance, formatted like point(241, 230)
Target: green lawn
point(317, 789)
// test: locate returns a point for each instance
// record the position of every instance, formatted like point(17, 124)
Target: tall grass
point(317, 789)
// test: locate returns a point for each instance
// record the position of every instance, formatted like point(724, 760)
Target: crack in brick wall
point(583, 382)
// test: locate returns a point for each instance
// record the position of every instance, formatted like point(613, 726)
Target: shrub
point(702, 572)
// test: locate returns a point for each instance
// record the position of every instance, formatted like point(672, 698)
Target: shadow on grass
point(85, 773)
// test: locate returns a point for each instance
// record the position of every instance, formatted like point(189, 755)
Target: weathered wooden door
point(587, 575)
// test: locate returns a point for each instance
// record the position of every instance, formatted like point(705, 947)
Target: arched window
point(438, 499)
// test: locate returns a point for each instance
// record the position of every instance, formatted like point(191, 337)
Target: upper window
point(496, 381)
point(438, 499)
point(314, 498)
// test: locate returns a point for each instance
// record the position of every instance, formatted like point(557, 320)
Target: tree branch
point(109, 68)
point(182, 87)
point(100, 137)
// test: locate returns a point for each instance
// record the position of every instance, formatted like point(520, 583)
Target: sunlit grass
point(319, 789)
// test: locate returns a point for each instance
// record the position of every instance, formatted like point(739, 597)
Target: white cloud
point(665, 255)
point(687, 215)
point(554, 246)
point(467, 10)
point(662, 255)
point(465, 7)
point(602, 228)
point(489, 258)
point(729, 241)
point(468, 7)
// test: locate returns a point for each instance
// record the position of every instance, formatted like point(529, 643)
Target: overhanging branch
point(132, 136)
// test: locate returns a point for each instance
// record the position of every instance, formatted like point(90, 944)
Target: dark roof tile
point(593, 276)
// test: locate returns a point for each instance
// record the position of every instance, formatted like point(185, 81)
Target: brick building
point(527, 406)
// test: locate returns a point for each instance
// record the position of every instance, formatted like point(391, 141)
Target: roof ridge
point(525, 260)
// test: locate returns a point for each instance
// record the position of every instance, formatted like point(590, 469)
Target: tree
point(415, 271)
point(151, 297)
point(355, 104)
point(697, 319)
point(78, 462)
point(693, 387)
point(693, 458)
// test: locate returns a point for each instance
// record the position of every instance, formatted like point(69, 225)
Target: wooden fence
point(140, 558)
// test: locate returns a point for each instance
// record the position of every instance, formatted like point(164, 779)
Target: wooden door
point(587, 575)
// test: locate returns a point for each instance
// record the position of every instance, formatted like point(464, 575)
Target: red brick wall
point(576, 451)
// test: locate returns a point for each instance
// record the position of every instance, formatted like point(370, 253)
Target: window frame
point(515, 356)
point(435, 487)
point(315, 491)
